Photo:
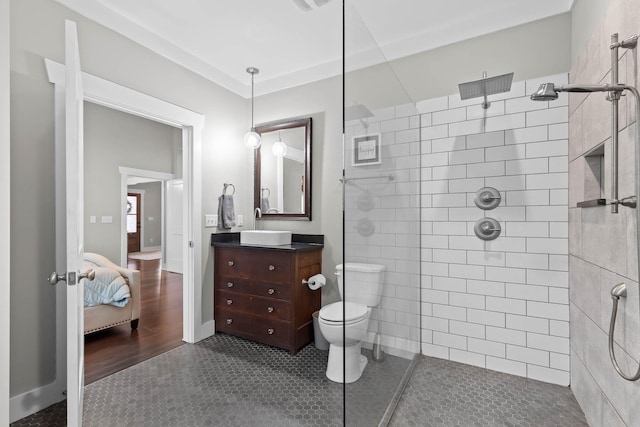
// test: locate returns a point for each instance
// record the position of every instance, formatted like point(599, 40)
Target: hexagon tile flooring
point(227, 381)
point(444, 393)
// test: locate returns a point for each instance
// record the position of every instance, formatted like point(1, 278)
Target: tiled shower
point(535, 302)
point(500, 304)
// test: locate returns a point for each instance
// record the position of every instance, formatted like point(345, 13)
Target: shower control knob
point(487, 198)
point(487, 229)
point(230, 263)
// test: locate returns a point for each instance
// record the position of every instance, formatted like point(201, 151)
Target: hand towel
point(264, 204)
point(226, 212)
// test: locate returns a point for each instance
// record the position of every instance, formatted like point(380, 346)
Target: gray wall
point(152, 208)
point(602, 245)
point(114, 139)
point(37, 31)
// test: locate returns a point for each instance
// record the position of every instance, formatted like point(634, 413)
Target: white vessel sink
point(265, 237)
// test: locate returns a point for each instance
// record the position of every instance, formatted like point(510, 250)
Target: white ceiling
point(219, 39)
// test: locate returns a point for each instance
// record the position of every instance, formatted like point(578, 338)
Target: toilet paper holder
point(316, 281)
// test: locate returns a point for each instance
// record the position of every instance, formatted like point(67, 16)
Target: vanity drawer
point(233, 301)
point(272, 266)
point(272, 332)
point(258, 264)
point(233, 284)
point(268, 308)
point(233, 322)
point(271, 290)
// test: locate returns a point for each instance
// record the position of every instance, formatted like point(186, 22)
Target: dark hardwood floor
point(159, 330)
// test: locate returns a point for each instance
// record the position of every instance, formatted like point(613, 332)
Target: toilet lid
point(353, 311)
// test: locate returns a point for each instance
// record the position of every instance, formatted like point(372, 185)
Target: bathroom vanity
point(259, 292)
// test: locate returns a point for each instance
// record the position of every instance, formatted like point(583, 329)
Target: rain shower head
point(485, 86)
point(357, 112)
point(549, 91)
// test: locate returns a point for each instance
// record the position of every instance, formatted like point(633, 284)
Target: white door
point(74, 228)
point(173, 209)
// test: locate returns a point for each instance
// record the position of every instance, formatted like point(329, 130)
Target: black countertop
point(299, 242)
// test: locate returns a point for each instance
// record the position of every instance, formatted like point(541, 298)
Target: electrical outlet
point(211, 220)
point(240, 221)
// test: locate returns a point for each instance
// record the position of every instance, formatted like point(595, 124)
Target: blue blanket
point(108, 287)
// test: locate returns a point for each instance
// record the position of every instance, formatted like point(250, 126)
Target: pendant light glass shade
point(279, 149)
point(252, 138)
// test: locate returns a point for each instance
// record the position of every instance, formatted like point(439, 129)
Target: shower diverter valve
point(487, 198)
point(487, 228)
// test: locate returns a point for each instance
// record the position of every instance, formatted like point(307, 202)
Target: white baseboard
point(208, 329)
point(35, 400)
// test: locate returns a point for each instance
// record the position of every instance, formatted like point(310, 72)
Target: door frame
point(117, 97)
point(125, 174)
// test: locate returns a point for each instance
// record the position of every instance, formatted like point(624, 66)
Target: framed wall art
point(366, 150)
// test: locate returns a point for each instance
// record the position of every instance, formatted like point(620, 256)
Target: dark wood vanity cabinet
point(259, 294)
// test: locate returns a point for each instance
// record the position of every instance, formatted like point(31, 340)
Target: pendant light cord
point(252, 127)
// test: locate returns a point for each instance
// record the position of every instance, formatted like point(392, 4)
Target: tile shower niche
point(594, 180)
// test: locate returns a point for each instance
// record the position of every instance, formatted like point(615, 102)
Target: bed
point(123, 307)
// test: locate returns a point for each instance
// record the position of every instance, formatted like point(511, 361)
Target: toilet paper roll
point(316, 281)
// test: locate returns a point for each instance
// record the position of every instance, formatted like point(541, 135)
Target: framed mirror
point(282, 171)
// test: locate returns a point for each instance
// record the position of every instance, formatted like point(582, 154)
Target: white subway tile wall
point(502, 305)
point(493, 302)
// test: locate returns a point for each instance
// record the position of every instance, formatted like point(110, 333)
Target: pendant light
point(252, 138)
point(279, 148)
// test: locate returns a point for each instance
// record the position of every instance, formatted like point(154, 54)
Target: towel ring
point(224, 191)
point(268, 192)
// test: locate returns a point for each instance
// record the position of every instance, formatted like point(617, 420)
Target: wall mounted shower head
point(549, 91)
point(546, 92)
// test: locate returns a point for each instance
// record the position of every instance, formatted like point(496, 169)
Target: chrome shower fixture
point(549, 91)
point(485, 86)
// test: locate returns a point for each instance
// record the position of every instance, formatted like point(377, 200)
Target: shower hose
point(620, 290)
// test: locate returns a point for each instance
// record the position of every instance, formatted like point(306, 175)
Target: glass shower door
point(381, 187)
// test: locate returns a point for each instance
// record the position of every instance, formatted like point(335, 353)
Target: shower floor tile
point(445, 393)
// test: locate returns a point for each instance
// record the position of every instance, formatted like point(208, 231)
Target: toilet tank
point(360, 283)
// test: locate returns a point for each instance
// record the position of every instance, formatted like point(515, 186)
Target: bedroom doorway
point(134, 227)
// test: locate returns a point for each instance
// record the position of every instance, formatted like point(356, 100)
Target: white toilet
point(363, 291)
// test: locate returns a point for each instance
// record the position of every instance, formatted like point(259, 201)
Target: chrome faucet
point(257, 213)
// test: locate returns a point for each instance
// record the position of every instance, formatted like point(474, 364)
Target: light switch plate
point(107, 219)
point(92, 219)
point(240, 221)
point(211, 220)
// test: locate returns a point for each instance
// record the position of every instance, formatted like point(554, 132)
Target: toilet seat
point(353, 313)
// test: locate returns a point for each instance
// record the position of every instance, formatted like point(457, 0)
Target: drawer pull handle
point(270, 331)
point(229, 321)
point(229, 301)
point(271, 291)
point(230, 263)
point(229, 284)
point(270, 310)
point(272, 267)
